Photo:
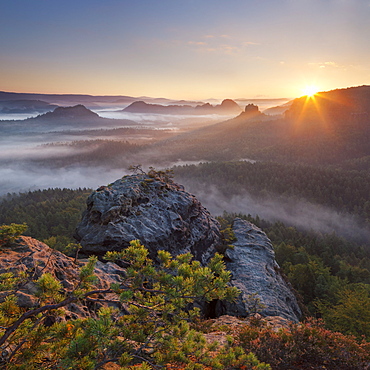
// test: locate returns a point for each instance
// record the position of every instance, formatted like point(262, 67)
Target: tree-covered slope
point(332, 128)
point(343, 190)
point(51, 215)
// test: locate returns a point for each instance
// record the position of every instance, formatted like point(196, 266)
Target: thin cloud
point(197, 43)
point(329, 64)
point(224, 44)
point(249, 43)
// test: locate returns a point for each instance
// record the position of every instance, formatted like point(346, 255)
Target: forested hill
point(51, 215)
point(73, 116)
point(349, 107)
point(344, 191)
point(329, 129)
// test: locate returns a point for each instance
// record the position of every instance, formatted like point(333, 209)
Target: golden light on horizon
point(310, 90)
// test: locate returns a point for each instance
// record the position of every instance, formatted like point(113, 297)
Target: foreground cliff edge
point(163, 216)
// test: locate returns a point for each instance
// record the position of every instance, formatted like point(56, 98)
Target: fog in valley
point(300, 213)
point(295, 212)
point(25, 144)
point(35, 156)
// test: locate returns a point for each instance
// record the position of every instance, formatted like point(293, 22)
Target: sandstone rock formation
point(78, 111)
point(251, 108)
point(158, 212)
point(162, 215)
point(256, 274)
point(251, 111)
point(35, 258)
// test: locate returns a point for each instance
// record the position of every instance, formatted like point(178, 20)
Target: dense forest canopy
point(347, 191)
point(51, 215)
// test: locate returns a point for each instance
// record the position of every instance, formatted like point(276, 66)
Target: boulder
point(154, 210)
point(257, 275)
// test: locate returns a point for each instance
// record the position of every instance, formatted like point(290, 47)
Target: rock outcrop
point(251, 111)
point(34, 258)
point(158, 212)
point(162, 215)
point(256, 274)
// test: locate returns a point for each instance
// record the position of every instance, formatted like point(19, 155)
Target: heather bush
point(305, 346)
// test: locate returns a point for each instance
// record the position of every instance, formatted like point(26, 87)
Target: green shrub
point(153, 333)
point(10, 233)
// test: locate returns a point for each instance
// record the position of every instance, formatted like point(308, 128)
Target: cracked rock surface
point(257, 275)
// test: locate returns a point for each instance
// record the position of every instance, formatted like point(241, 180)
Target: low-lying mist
point(22, 177)
point(165, 121)
point(292, 212)
point(27, 164)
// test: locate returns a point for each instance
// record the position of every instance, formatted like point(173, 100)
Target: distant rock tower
point(250, 111)
point(251, 108)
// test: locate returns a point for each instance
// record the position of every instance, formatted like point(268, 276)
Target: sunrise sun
point(310, 90)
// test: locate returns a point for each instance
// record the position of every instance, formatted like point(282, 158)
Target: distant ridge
point(90, 100)
point(337, 106)
point(227, 106)
point(55, 98)
point(111, 100)
point(78, 111)
point(25, 106)
point(332, 128)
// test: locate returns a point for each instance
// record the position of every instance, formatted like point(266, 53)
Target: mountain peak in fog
point(77, 111)
point(230, 104)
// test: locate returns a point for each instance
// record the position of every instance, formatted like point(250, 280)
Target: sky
point(184, 49)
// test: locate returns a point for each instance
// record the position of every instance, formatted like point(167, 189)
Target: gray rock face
point(256, 273)
point(158, 213)
point(163, 216)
